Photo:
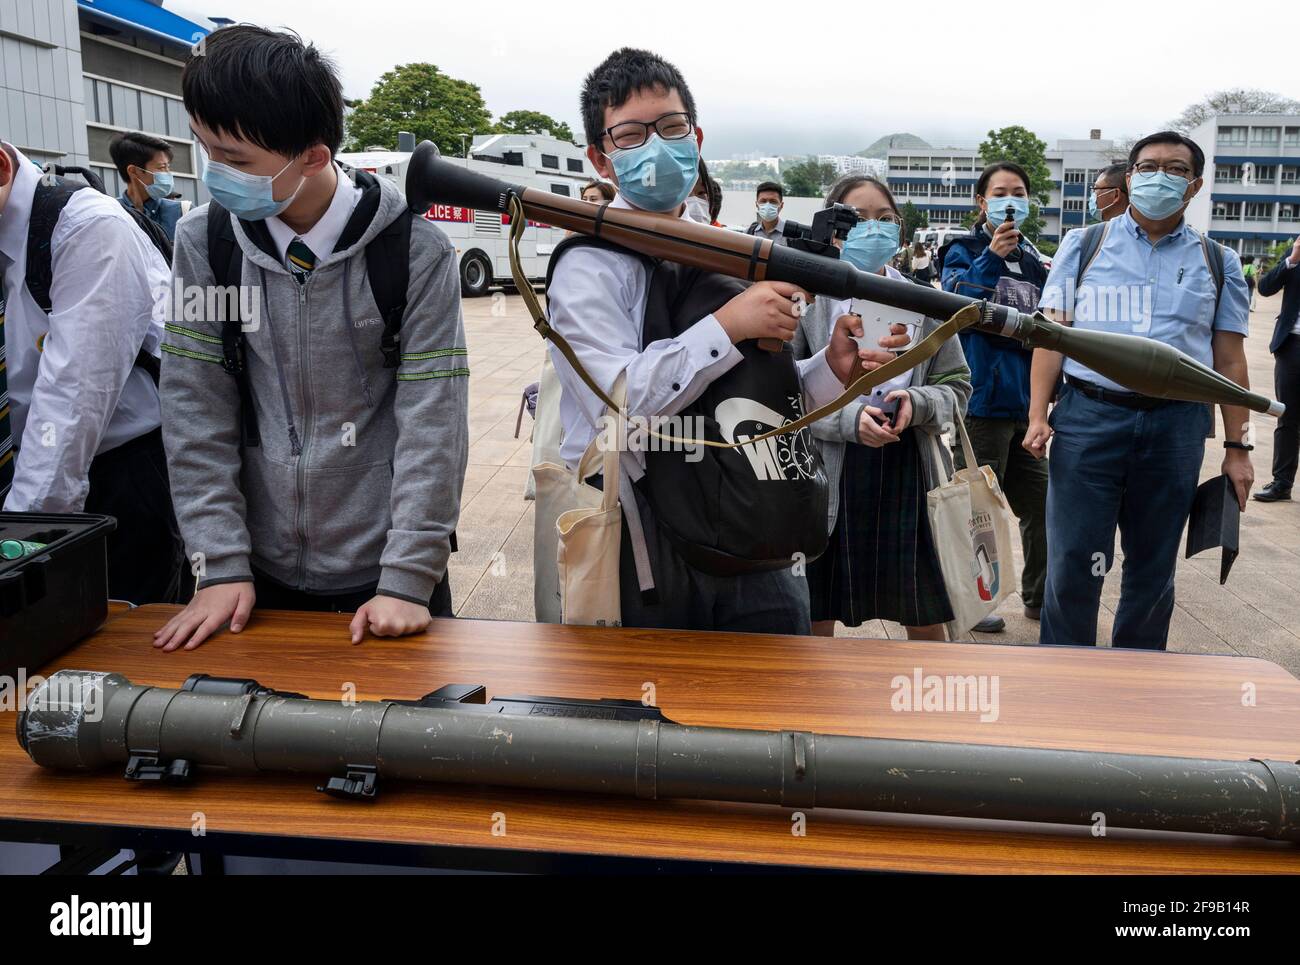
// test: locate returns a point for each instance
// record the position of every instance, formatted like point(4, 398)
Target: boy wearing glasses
point(686, 341)
point(1123, 460)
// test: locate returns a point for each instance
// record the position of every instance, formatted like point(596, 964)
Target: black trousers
point(1286, 437)
point(146, 559)
point(274, 595)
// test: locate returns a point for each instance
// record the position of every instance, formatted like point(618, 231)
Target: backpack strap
point(388, 267)
point(52, 195)
point(226, 261)
point(1213, 253)
point(1094, 236)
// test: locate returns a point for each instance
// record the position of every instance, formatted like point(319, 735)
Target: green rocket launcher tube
point(83, 720)
point(1144, 365)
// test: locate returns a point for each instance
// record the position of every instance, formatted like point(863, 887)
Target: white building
point(941, 182)
point(1251, 197)
point(75, 74)
point(853, 164)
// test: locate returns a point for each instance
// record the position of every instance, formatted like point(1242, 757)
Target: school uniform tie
point(301, 260)
point(6, 434)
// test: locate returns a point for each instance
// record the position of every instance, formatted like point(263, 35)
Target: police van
point(481, 238)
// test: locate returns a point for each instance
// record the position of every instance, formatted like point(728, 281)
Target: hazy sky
point(837, 79)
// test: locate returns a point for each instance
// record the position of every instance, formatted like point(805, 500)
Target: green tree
point(421, 99)
point(533, 122)
point(808, 178)
point(1280, 250)
point(1238, 100)
point(1024, 147)
point(913, 218)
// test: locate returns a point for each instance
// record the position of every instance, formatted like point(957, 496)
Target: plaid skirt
point(880, 562)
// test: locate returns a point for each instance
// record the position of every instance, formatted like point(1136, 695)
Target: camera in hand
point(1014, 254)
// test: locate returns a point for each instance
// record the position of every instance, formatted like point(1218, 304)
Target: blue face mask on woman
point(871, 244)
point(1157, 195)
point(658, 175)
point(247, 196)
point(997, 208)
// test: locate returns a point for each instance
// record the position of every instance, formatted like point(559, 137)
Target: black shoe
point(1274, 492)
point(990, 625)
point(1033, 612)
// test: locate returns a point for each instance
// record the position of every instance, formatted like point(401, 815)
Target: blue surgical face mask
point(247, 196)
point(658, 175)
point(1093, 213)
point(768, 211)
point(162, 185)
point(870, 245)
point(998, 210)
point(1157, 195)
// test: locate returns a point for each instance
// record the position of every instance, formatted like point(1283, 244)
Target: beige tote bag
point(971, 521)
point(578, 531)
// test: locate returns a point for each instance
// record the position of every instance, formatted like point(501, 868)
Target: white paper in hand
point(876, 322)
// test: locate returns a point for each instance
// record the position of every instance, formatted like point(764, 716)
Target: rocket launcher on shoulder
point(1143, 365)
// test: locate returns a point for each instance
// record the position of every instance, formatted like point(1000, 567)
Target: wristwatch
point(1229, 444)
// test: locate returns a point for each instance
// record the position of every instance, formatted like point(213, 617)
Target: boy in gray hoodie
point(314, 464)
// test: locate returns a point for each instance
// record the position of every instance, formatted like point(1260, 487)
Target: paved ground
point(1256, 614)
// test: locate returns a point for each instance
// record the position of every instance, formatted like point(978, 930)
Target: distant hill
point(882, 144)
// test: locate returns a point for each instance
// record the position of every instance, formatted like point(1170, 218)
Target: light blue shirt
point(1163, 291)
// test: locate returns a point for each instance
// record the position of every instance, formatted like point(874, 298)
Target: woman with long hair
point(881, 561)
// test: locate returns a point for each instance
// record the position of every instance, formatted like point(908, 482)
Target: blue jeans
point(1112, 466)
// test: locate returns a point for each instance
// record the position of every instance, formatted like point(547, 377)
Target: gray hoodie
point(358, 476)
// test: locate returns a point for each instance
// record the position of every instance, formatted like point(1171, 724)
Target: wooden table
point(1090, 699)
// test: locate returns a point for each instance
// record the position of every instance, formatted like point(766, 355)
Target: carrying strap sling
point(924, 349)
point(388, 268)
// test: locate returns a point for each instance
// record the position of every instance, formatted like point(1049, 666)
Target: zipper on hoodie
point(308, 417)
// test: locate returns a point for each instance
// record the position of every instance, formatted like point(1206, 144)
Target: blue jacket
point(999, 366)
point(164, 213)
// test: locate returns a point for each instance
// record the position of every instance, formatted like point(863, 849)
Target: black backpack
point(52, 195)
point(731, 511)
point(388, 269)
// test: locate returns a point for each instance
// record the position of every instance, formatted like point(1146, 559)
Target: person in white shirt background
point(82, 427)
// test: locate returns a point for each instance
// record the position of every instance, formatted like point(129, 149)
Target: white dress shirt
point(596, 300)
point(74, 389)
point(325, 233)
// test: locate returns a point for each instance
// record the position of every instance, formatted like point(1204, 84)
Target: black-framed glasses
point(1175, 169)
point(671, 127)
